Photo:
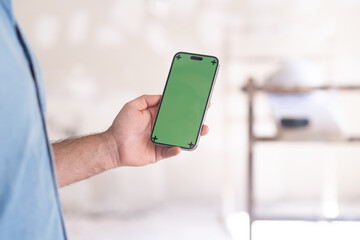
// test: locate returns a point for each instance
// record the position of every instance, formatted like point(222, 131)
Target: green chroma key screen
point(184, 101)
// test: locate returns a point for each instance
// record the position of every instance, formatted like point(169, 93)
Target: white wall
point(96, 55)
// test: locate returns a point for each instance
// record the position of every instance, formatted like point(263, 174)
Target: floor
point(306, 230)
point(175, 222)
point(180, 222)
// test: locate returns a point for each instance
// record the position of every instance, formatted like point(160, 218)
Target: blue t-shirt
point(29, 200)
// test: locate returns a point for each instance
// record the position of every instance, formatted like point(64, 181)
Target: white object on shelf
point(318, 107)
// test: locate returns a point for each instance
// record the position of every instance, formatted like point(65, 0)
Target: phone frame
point(206, 107)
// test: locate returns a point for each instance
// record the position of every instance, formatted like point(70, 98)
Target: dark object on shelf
point(294, 122)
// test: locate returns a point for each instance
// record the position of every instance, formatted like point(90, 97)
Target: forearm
point(80, 158)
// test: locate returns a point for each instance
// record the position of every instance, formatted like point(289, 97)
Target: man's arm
point(80, 158)
point(125, 143)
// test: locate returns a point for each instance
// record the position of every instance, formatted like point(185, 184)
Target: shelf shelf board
point(299, 89)
point(353, 139)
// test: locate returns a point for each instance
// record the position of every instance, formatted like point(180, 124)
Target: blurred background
point(97, 55)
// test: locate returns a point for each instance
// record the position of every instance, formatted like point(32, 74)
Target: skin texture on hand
point(126, 143)
point(131, 131)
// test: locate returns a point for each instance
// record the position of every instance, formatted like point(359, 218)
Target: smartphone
point(185, 100)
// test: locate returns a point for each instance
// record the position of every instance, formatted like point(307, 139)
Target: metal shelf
point(251, 89)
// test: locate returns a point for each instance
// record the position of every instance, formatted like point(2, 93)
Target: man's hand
point(125, 143)
point(131, 132)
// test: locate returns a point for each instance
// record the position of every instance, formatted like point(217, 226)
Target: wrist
point(114, 157)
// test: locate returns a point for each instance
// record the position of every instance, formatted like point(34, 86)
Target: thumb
point(146, 101)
